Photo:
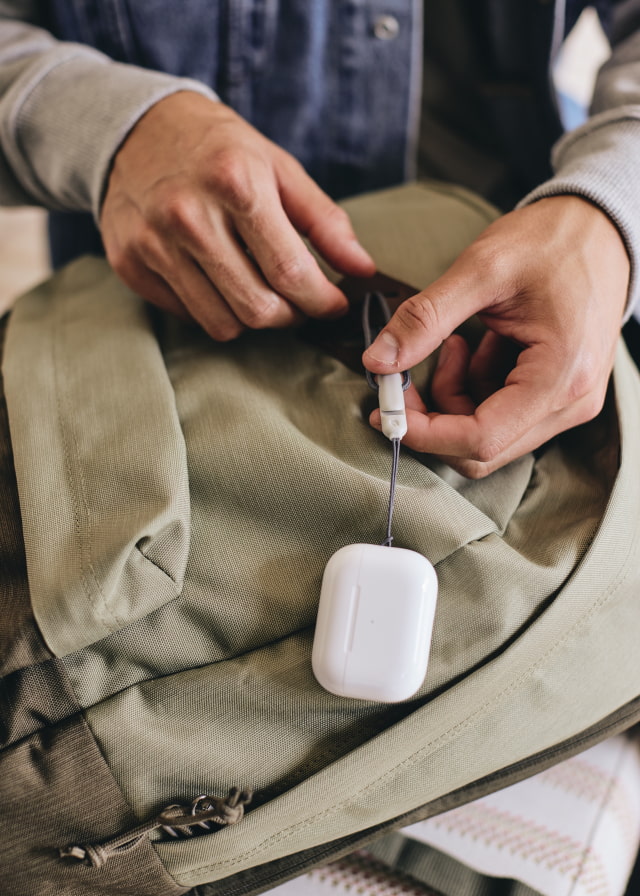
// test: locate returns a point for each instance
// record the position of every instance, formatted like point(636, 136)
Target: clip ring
point(370, 334)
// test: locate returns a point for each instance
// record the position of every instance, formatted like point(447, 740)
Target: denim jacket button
point(386, 27)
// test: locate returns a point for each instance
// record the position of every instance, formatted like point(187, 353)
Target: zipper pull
point(175, 820)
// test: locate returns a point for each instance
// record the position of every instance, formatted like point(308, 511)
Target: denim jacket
point(338, 83)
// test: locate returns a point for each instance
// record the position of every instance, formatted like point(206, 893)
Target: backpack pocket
point(99, 455)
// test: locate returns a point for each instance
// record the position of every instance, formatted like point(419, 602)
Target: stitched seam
point(69, 444)
point(448, 735)
point(119, 27)
point(156, 566)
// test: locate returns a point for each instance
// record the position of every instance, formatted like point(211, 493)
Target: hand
point(550, 282)
point(203, 215)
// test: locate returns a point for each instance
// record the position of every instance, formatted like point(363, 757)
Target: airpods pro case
point(373, 631)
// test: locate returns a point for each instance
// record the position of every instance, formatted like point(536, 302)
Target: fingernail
point(385, 348)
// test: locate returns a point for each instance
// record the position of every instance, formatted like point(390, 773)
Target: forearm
point(598, 161)
point(64, 111)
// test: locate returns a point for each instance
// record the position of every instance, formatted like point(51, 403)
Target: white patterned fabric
point(572, 830)
point(358, 874)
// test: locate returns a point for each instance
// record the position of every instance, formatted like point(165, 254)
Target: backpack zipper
point(176, 820)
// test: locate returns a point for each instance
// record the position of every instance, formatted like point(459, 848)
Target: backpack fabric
point(174, 504)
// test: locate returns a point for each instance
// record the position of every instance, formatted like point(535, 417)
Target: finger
point(449, 384)
point(459, 440)
point(204, 302)
point(473, 469)
point(536, 418)
point(423, 321)
point(326, 225)
point(508, 417)
point(150, 286)
point(530, 441)
point(185, 279)
point(477, 469)
point(412, 400)
point(132, 267)
point(490, 365)
point(286, 263)
point(236, 278)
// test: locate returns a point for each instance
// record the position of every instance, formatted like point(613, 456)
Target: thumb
point(425, 320)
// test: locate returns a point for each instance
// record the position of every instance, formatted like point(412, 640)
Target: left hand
point(204, 216)
point(549, 281)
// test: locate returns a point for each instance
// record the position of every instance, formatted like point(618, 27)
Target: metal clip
point(370, 334)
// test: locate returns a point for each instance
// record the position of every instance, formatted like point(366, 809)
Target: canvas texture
point(179, 500)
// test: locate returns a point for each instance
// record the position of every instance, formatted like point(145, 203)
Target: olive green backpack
point(169, 505)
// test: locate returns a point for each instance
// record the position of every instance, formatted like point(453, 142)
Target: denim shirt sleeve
point(64, 111)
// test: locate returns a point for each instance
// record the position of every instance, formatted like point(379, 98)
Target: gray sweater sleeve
point(64, 111)
point(600, 160)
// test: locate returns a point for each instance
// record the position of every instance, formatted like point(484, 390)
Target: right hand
point(550, 282)
point(203, 216)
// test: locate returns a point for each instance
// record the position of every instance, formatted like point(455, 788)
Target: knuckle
point(497, 266)
point(486, 450)
point(586, 393)
point(493, 253)
point(179, 213)
point(475, 470)
point(150, 250)
point(288, 274)
point(127, 265)
point(419, 313)
point(120, 259)
point(292, 166)
point(583, 380)
point(259, 314)
point(232, 183)
point(471, 469)
point(592, 405)
point(492, 261)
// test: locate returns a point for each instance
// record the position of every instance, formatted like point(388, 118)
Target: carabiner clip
point(370, 334)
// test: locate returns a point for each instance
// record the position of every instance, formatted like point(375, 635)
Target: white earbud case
point(373, 632)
